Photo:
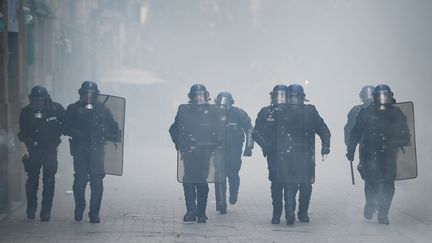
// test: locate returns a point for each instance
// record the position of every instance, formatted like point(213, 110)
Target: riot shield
point(201, 143)
point(295, 145)
point(106, 156)
point(406, 163)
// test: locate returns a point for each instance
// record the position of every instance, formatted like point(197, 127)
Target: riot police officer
point(381, 129)
point(89, 124)
point(303, 122)
point(264, 133)
point(366, 96)
point(196, 158)
point(40, 125)
point(291, 160)
point(238, 124)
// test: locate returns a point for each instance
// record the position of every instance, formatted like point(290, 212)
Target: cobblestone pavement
point(146, 204)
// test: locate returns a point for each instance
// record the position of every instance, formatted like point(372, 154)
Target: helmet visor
point(367, 96)
point(295, 99)
point(199, 98)
point(278, 97)
point(39, 104)
point(384, 98)
point(224, 101)
point(88, 97)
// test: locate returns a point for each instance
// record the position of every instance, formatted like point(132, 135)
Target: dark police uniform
point(381, 133)
point(238, 124)
point(297, 125)
point(264, 134)
point(89, 129)
point(41, 134)
point(196, 194)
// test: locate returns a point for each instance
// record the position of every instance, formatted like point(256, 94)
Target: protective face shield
point(366, 95)
point(383, 96)
point(39, 100)
point(224, 99)
point(88, 99)
point(199, 98)
point(384, 99)
point(296, 94)
point(295, 100)
point(278, 97)
point(198, 94)
point(88, 94)
point(38, 104)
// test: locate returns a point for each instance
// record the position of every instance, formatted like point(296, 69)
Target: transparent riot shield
point(201, 143)
point(295, 145)
point(107, 135)
point(406, 165)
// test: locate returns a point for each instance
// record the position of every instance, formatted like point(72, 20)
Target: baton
point(352, 173)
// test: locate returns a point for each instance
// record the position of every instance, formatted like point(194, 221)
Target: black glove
point(350, 155)
point(247, 152)
point(361, 169)
point(26, 162)
point(325, 150)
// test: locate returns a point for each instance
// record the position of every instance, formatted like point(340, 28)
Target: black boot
point(202, 195)
point(303, 217)
point(45, 217)
point(277, 212)
point(221, 207)
point(371, 195)
point(79, 212)
point(233, 198)
point(290, 192)
point(368, 211)
point(383, 219)
point(47, 196)
point(79, 186)
point(290, 217)
point(220, 193)
point(276, 194)
point(94, 218)
point(190, 201)
point(31, 213)
point(305, 192)
point(234, 184)
point(96, 186)
point(31, 187)
point(190, 217)
point(202, 218)
point(386, 192)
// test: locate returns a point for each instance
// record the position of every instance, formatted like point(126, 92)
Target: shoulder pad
point(72, 106)
point(57, 106)
point(239, 110)
point(310, 107)
point(266, 109)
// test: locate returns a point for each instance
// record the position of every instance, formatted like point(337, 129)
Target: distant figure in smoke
point(366, 96)
point(40, 125)
point(198, 133)
point(285, 130)
point(381, 130)
point(238, 124)
point(89, 124)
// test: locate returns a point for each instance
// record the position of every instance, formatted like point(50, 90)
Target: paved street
point(147, 205)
